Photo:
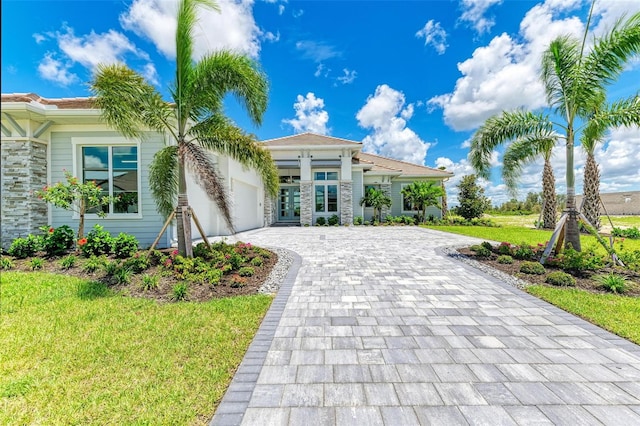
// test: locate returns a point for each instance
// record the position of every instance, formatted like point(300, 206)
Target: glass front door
point(289, 204)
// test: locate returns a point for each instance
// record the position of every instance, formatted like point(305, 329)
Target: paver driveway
point(378, 327)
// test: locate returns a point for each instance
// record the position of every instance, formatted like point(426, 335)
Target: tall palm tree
point(423, 195)
point(575, 84)
point(195, 119)
point(445, 207)
point(378, 200)
point(523, 151)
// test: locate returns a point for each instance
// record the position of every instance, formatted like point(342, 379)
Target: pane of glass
point(95, 158)
point(125, 191)
point(295, 178)
point(320, 176)
point(319, 198)
point(296, 202)
point(125, 157)
point(332, 175)
point(332, 198)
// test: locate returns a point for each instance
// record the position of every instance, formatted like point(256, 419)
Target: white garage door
point(245, 206)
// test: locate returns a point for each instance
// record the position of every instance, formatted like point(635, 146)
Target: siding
point(145, 228)
point(358, 193)
point(396, 199)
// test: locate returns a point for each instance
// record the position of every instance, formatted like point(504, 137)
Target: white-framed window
point(326, 198)
point(324, 175)
point(114, 164)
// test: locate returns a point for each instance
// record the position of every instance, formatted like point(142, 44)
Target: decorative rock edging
point(279, 271)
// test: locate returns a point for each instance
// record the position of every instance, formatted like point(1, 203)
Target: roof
point(309, 139)
point(60, 103)
point(407, 169)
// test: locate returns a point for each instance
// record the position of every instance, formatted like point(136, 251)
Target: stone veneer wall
point(346, 202)
point(306, 204)
point(24, 170)
point(269, 210)
point(386, 190)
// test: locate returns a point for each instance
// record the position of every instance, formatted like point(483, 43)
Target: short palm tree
point(423, 195)
point(194, 119)
point(377, 199)
point(575, 83)
point(523, 151)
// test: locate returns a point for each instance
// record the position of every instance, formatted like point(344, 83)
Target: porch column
point(306, 194)
point(346, 202)
point(386, 190)
point(269, 204)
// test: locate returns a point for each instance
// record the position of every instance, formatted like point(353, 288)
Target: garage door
point(245, 206)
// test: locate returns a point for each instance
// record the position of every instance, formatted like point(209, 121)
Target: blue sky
point(410, 79)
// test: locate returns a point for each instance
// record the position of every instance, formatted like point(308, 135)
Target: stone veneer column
point(346, 202)
point(306, 204)
point(269, 210)
point(24, 170)
point(386, 190)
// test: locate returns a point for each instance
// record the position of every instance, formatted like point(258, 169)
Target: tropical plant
point(445, 208)
point(471, 198)
point(194, 118)
point(523, 151)
point(423, 195)
point(377, 199)
point(575, 82)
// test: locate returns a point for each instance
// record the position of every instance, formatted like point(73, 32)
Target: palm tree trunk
point(549, 214)
point(591, 190)
point(444, 200)
point(183, 201)
point(571, 230)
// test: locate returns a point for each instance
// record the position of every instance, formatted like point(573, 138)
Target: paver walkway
point(378, 327)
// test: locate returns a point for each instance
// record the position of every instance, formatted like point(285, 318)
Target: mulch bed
point(197, 292)
point(584, 281)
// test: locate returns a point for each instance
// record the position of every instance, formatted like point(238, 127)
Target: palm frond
point(219, 134)
point(163, 179)
point(224, 72)
point(522, 152)
point(622, 113)
point(501, 129)
point(128, 103)
point(205, 171)
point(559, 74)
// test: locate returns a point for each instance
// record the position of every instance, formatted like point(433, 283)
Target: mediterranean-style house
point(320, 176)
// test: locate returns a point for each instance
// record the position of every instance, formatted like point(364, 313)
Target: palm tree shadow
point(91, 290)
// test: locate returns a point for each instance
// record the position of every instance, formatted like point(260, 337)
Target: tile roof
point(309, 139)
point(61, 103)
point(407, 169)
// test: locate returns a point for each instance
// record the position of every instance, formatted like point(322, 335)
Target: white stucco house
point(319, 175)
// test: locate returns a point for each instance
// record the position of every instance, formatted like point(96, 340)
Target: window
point(325, 176)
point(326, 197)
point(115, 169)
point(290, 179)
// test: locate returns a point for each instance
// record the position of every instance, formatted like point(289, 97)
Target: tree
point(471, 199)
point(377, 199)
point(523, 151)
point(194, 119)
point(575, 83)
point(423, 195)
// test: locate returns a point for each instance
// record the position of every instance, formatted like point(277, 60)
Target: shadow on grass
point(89, 290)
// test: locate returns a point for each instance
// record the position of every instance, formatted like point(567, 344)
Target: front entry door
point(289, 204)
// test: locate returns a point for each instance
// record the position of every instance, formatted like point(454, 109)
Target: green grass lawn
point(73, 352)
point(529, 220)
point(618, 314)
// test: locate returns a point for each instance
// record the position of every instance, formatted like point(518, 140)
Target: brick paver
point(379, 327)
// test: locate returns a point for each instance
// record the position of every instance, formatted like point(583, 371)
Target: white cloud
point(54, 70)
point(473, 12)
point(619, 160)
point(232, 28)
point(391, 137)
point(317, 51)
point(271, 37)
point(496, 193)
point(150, 73)
point(505, 74)
point(297, 13)
point(434, 35)
point(310, 115)
point(322, 70)
point(280, 9)
point(348, 77)
point(39, 38)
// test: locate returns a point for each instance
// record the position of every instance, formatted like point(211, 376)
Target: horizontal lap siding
point(146, 228)
point(357, 193)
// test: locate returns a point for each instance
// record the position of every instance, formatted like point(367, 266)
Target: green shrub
point(237, 281)
point(560, 278)
point(98, 241)
point(475, 247)
point(137, 263)
point(257, 261)
point(6, 263)
point(149, 282)
point(532, 268)
point(580, 261)
point(125, 245)
point(505, 248)
point(505, 259)
point(68, 262)
point(111, 267)
point(236, 260)
point(201, 250)
point(482, 251)
point(57, 241)
point(246, 271)
point(123, 275)
point(632, 233)
point(333, 220)
point(213, 276)
point(180, 291)
point(524, 252)
point(22, 248)
point(613, 283)
point(36, 263)
point(358, 220)
point(487, 245)
point(93, 264)
point(321, 221)
point(631, 259)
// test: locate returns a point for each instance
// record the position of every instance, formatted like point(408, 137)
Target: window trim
point(325, 171)
point(326, 186)
point(78, 143)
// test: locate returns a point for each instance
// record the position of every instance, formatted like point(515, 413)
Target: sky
point(411, 80)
